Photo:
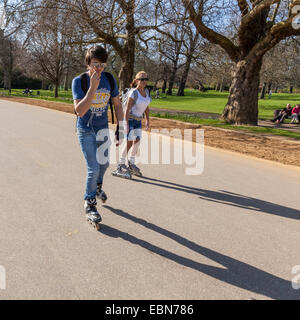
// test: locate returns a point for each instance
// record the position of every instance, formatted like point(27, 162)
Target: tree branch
point(209, 34)
point(243, 5)
point(101, 34)
point(278, 32)
point(275, 12)
point(256, 11)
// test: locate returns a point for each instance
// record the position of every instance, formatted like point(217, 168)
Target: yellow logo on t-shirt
point(100, 101)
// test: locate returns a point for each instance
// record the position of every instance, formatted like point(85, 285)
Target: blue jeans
point(95, 149)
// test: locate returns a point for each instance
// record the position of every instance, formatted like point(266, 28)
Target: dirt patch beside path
point(279, 149)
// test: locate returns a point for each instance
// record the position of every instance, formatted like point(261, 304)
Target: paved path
point(230, 233)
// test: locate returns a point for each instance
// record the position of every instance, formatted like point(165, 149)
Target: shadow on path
point(227, 198)
point(236, 273)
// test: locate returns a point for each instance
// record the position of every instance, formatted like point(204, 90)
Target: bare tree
point(118, 23)
point(6, 59)
point(262, 25)
point(171, 51)
point(49, 42)
point(290, 63)
point(12, 19)
point(190, 46)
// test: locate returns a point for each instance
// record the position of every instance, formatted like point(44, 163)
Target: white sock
point(122, 160)
point(132, 160)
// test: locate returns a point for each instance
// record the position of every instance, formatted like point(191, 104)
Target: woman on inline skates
point(137, 104)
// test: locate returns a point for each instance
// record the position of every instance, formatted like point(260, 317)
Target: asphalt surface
point(230, 233)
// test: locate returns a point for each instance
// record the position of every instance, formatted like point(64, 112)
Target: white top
point(140, 105)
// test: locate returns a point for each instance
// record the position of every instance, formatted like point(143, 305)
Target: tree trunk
point(242, 105)
point(66, 81)
point(126, 74)
point(172, 78)
point(180, 91)
point(201, 86)
point(56, 90)
point(186, 70)
point(128, 53)
point(164, 86)
point(187, 66)
point(7, 78)
point(6, 52)
point(221, 85)
point(171, 84)
point(263, 91)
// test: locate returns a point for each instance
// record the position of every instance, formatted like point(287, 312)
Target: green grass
point(195, 101)
point(210, 101)
point(214, 102)
point(64, 96)
point(222, 124)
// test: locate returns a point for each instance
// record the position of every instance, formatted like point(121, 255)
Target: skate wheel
point(103, 199)
point(91, 222)
point(98, 226)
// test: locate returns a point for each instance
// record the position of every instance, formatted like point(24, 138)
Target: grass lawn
point(64, 96)
point(210, 101)
point(214, 102)
point(224, 125)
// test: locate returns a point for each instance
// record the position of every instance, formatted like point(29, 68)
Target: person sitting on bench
point(280, 115)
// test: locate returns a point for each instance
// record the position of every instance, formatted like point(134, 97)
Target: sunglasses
point(98, 65)
point(143, 79)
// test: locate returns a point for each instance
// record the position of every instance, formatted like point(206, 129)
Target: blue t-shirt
point(96, 116)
